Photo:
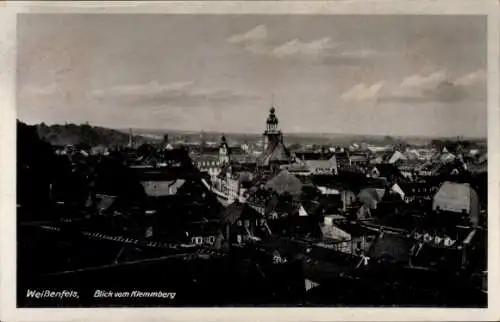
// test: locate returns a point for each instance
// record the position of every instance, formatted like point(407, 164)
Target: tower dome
point(272, 119)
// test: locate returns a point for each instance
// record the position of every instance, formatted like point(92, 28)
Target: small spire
point(273, 109)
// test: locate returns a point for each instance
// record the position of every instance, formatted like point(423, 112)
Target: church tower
point(224, 152)
point(275, 153)
point(272, 134)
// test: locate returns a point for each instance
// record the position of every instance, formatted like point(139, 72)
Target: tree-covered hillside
point(84, 133)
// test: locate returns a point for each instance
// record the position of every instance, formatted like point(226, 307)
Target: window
point(247, 223)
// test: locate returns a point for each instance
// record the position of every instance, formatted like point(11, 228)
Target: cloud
point(151, 88)
point(473, 78)
point(256, 34)
point(256, 41)
point(180, 94)
point(323, 50)
point(360, 53)
point(296, 47)
point(438, 86)
point(423, 81)
point(362, 92)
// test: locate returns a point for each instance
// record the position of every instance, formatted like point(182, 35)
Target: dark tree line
point(84, 133)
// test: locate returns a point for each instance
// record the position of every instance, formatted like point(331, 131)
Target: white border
point(8, 11)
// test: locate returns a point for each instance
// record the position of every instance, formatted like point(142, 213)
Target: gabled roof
point(371, 194)
point(396, 156)
point(358, 157)
point(105, 203)
point(391, 247)
point(412, 164)
point(285, 182)
point(455, 197)
point(387, 170)
point(271, 204)
point(278, 153)
point(322, 164)
point(239, 211)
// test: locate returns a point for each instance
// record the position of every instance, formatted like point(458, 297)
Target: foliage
point(84, 134)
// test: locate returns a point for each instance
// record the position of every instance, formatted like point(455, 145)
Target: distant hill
point(95, 135)
point(343, 139)
point(84, 133)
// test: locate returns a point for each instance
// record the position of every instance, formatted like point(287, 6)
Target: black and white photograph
point(251, 160)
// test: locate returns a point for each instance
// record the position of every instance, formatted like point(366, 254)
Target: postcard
point(226, 160)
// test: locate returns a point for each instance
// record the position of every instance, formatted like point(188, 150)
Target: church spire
point(272, 121)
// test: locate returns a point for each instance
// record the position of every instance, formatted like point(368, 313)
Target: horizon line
point(285, 133)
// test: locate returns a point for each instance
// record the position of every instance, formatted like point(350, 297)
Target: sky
point(346, 74)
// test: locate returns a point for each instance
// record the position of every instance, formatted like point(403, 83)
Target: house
point(445, 156)
point(358, 158)
point(242, 223)
point(346, 237)
point(390, 248)
point(459, 199)
point(410, 168)
point(379, 149)
point(430, 169)
point(312, 156)
point(323, 167)
point(285, 182)
point(346, 185)
point(438, 248)
point(371, 197)
point(412, 192)
point(208, 163)
point(158, 182)
point(105, 204)
point(316, 163)
point(389, 172)
point(478, 168)
point(233, 184)
point(395, 157)
point(205, 233)
point(342, 159)
point(297, 169)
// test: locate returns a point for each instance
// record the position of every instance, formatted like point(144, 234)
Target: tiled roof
point(309, 156)
point(285, 182)
point(105, 202)
point(275, 154)
point(391, 247)
point(237, 211)
point(386, 170)
point(373, 194)
point(455, 197)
